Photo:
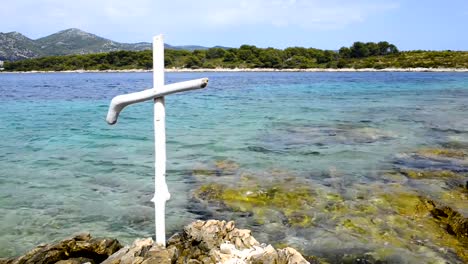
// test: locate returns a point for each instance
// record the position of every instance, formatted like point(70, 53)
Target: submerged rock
point(220, 168)
point(79, 249)
point(456, 144)
point(453, 222)
point(293, 202)
point(427, 221)
point(391, 222)
point(430, 174)
point(281, 140)
point(445, 160)
point(442, 153)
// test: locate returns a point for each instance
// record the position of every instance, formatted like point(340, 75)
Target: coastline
point(260, 70)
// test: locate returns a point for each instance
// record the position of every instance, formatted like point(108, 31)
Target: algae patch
point(294, 203)
point(438, 152)
point(427, 174)
point(388, 221)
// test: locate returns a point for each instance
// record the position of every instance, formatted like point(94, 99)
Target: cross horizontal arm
point(120, 101)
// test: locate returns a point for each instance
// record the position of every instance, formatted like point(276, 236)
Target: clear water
point(64, 170)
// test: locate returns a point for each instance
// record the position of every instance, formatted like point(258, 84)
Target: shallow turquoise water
point(64, 170)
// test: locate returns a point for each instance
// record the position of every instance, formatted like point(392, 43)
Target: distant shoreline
point(261, 70)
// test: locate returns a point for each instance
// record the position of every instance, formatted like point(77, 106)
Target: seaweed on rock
point(294, 203)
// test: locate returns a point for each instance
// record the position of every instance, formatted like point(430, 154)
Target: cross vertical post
point(156, 94)
point(161, 192)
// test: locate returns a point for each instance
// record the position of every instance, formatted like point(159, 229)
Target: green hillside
point(359, 55)
point(75, 41)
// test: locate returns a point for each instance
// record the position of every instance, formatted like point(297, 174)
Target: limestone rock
point(76, 261)
point(79, 249)
point(204, 242)
point(201, 242)
point(131, 254)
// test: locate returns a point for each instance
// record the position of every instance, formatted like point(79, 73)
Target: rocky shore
point(209, 241)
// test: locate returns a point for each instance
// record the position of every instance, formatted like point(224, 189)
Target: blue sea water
point(64, 170)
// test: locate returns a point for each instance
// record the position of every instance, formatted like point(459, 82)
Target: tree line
point(358, 55)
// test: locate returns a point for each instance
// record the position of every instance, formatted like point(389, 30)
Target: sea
point(352, 137)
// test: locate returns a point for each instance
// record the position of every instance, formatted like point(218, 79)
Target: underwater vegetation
point(418, 218)
point(438, 152)
point(291, 202)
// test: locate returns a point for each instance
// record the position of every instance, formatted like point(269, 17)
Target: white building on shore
point(1, 65)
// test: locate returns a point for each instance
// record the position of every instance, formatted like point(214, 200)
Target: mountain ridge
point(16, 46)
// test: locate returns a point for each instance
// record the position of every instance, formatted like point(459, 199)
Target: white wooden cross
point(159, 90)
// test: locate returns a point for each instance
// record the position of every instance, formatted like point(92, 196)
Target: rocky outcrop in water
point(452, 221)
point(375, 222)
point(200, 242)
point(206, 242)
point(79, 249)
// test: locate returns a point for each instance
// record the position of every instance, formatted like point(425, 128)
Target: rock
point(226, 167)
point(427, 174)
point(203, 242)
point(442, 161)
point(293, 202)
point(79, 249)
point(289, 255)
point(76, 261)
point(159, 255)
point(454, 222)
point(442, 153)
point(129, 254)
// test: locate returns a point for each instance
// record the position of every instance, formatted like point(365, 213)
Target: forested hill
point(359, 55)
